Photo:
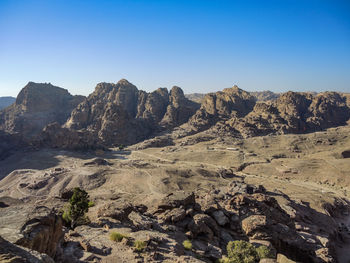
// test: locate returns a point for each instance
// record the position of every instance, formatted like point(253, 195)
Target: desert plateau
point(273, 173)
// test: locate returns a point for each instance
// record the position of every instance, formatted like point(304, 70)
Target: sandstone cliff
point(37, 105)
point(121, 114)
point(235, 111)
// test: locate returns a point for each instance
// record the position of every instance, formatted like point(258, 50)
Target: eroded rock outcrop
point(122, 114)
point(291, 112)
point(222, 105)
point(36, 228)
point(37, 105)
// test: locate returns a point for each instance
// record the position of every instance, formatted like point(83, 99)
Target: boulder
point(254, 224)
point(220, 218)
point(176, 199)
point(118, 209)
point(36, 228)
point(204, 224)
point(174, 215)
point(140, 221)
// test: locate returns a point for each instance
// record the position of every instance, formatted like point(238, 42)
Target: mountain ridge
point(121, 114)
point(6, 101)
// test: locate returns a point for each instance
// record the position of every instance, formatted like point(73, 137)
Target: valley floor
point(306, 174)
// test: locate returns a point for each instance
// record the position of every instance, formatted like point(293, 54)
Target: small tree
point(78, 206)
point(241, 252)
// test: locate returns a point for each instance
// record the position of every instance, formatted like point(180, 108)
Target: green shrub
point(65, 217)
point(139, 245)
point(264, 252)
point(117, 237)
point(91, 204)
point(223, 260)
point(74, 212)
point(187, 244)
point(121, 147)
point(241, 252)
point(244, 252)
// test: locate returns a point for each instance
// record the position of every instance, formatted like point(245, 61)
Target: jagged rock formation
point(292, 112)
point(122, 114)
point(116, 114)
point(222, 105)
point(37, 105)
point(6, 101)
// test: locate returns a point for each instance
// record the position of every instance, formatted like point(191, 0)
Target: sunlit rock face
point(121, 114)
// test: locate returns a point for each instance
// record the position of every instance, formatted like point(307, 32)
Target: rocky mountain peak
point(222, 105)
point(121, 114)
point(37, 105)
point(124, 82)
point(39, 96)
point(177, 92)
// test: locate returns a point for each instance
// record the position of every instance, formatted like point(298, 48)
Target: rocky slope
point(122, 114)
point(237, 113)
point(37, 105)
point(10, 143)
point(6, 101)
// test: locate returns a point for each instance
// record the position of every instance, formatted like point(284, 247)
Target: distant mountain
point(235, 112)
point(265, 95)
point(116, 114)
point(259, 95)
point(6, 101)
point(196, 97)
point(37, 105)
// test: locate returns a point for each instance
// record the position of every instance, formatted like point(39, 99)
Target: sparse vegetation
point(139, 245)
point(65, 216)
point(187, 244)
point(264, 252)
point(74, 211)
point(243, 252)
point(116, 236)
point(91, 204)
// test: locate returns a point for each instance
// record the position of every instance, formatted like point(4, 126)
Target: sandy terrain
point(308, 168)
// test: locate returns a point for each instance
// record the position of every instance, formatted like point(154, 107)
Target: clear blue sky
point(201, 46)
